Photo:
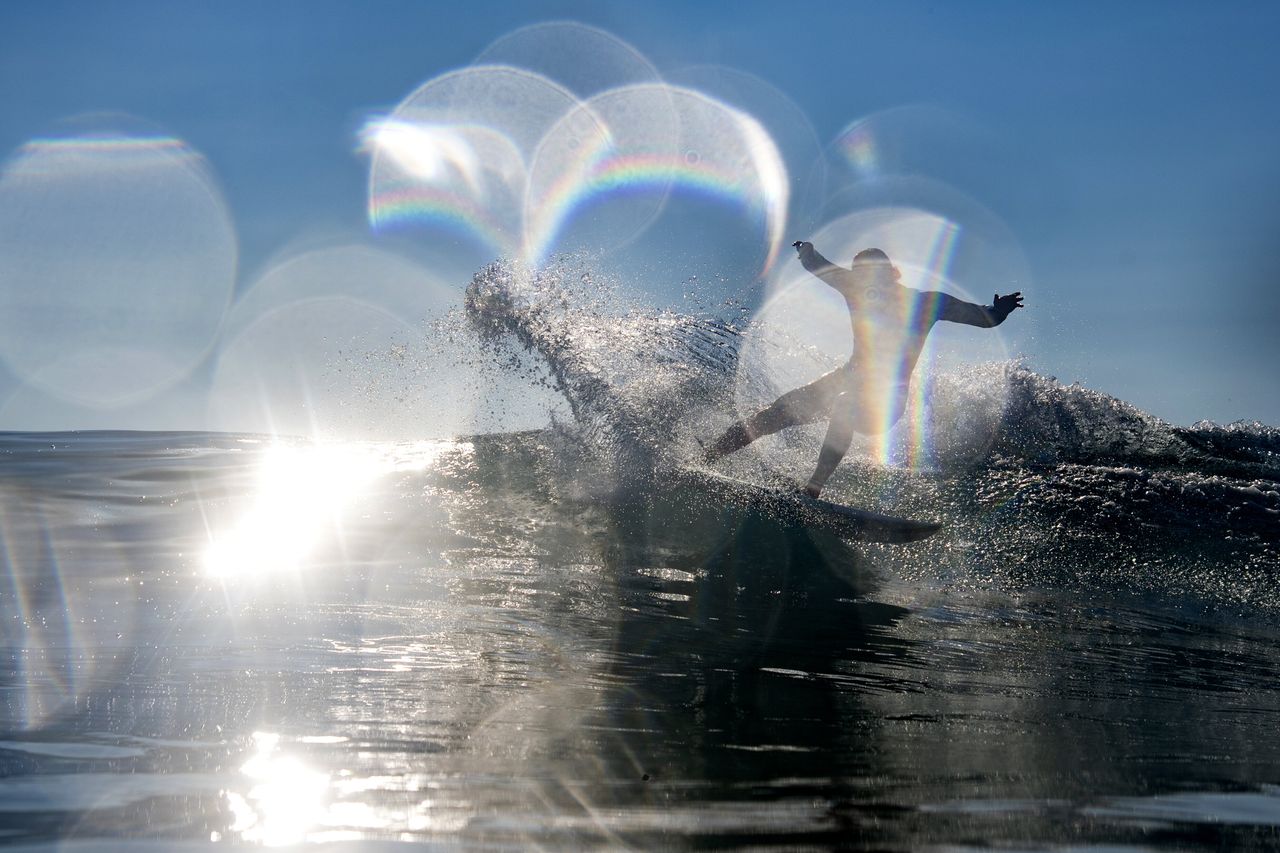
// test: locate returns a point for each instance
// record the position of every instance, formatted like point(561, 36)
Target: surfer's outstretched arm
point(986, 316)
point(820, 266)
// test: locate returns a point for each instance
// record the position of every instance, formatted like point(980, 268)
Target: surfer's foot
point(812, 490)
point(731, 440)
point(715, 451)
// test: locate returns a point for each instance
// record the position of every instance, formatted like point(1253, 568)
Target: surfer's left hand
point(1006, 305)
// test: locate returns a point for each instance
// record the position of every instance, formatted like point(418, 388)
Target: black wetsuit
point(868, 393)
point(890, 323)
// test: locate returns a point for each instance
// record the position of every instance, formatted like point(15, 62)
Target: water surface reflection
point(486, 654)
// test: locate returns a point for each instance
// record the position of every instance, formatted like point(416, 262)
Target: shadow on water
point(734, 677)
point(715, 693)
point(750, 593)
point(748, 690)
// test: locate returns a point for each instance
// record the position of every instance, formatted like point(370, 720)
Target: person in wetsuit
point(868, 393)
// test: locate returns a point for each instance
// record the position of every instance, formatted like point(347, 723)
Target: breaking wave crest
point(632, 378)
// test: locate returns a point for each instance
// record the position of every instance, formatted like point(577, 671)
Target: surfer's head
point(875, 261)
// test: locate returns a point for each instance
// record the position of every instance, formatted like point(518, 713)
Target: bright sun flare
point(300, 494)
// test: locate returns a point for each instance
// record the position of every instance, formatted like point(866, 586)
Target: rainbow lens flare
point(638, 145)
point(451, 157)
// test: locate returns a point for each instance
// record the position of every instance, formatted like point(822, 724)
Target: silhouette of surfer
point(868, 393)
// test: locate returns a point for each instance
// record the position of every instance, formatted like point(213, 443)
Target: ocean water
point(535, 640)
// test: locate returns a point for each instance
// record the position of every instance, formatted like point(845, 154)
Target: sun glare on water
point(299, 499)
point(286, 798)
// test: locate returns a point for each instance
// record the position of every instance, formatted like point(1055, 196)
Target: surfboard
point(798, 508)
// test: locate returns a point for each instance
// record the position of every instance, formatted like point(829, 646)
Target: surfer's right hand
point(800, 244)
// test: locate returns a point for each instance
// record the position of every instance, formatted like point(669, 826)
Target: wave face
point(1065, 480)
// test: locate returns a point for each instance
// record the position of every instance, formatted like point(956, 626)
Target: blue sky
point(1130, 152)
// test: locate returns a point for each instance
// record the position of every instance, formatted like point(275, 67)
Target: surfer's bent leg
point(804, 405)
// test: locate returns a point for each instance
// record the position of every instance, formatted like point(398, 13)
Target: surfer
point(868, 393)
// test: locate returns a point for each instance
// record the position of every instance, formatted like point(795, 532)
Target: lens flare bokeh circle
point(451, 158)
point(581, 58)
point(117, 261)
point(787, 124)
point(351, 341)
point(301, 370)
point(634, 158)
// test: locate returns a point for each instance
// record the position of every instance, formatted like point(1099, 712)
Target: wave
point(627, 371)
point(641, 383)
point(633, 378)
